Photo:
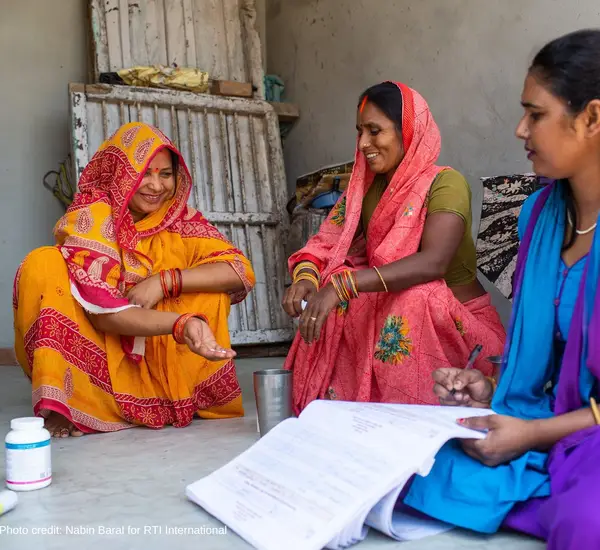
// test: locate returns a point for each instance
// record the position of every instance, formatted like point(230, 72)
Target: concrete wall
point(468, 58)
point(42, 47)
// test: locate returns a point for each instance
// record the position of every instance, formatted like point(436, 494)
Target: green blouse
point(449, 192)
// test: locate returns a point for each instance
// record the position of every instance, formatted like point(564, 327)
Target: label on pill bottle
point(28, 462)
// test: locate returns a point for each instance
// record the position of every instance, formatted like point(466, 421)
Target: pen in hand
point(472, 358)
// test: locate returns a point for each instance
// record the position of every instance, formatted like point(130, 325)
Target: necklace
point(583, 231)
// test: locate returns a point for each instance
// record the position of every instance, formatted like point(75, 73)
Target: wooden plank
point(174, 30)
point(209, 32)
point(155, 31)
point(234, 47)
point(113, 34)
point(231, 88)
point(189, 35)
point(125, 38)
point(134, 94)
point(79, 136)
point(286, 112)
point(253, 51)
point(101, 58)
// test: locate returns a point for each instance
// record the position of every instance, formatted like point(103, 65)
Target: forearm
point(419, 268)
point(135, 321)
point(217, 277)
point(551, 430)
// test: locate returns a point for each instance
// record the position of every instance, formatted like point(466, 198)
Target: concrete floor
point(137, 477)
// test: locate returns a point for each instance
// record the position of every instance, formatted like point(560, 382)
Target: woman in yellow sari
point(124, 321)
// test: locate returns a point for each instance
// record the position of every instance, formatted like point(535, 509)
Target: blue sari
point(462, 491)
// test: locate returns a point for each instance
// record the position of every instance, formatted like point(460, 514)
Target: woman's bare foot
point(59, 426)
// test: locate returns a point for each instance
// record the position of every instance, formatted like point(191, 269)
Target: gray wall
point(468, 58)
point(42, 48)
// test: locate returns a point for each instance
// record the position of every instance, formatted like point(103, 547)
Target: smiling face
point(158, 185)
point(379, 140)
point(555, 140)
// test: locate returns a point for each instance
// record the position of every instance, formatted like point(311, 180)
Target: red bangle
point(176, 283)
point(174, 288)
point(179, 325)
point(178, 288)
point(163, 283)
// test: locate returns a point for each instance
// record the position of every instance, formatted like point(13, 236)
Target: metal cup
point(273, 394)
point(496, 360)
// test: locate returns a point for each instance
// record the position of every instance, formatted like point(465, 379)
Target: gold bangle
point(306, 265)
point(595, 411)
point(382, 279)
point(493, 382)
point(307, 277)
point(353, 284)
point(339, 289)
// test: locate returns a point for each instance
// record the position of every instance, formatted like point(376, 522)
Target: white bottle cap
point(27, 423)
point(8, 500)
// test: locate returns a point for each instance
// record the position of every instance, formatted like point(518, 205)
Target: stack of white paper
point(322, 479)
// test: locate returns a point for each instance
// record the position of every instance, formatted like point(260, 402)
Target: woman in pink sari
point(390, 281)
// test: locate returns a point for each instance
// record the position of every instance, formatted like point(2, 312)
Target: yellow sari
point(104, 382)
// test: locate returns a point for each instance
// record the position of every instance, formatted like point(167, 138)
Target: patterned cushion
point(498, 240)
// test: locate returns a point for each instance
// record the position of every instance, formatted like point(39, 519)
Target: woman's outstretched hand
point(201, 340)
point(316, 312)
point(460, 387)
point(295, 295)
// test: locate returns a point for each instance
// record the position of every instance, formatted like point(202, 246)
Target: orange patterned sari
point(103, 382)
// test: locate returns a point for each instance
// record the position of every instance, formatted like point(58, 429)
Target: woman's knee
point(42, 265)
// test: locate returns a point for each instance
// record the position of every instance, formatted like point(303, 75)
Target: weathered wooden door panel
point(217, 36)
point(233, 150)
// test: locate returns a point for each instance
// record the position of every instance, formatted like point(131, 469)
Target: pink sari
point(383, 347)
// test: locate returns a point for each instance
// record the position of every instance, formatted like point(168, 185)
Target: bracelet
point(349, 279)
point(306, 265)
point(382, 279)
point(163, 284)
point(179, 325)
point(345, 286)
point(177, 279)
point(307, 277)
point(595, 411)
point(176, 283)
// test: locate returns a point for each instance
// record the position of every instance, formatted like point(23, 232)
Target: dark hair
point(570, 67)
point(388, 99)
point(174, 162)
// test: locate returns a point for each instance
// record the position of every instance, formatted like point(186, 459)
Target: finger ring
point(313, 318)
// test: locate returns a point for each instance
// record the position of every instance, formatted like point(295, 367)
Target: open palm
point(201, 340)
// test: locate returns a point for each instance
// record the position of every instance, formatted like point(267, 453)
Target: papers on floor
point(324, 478)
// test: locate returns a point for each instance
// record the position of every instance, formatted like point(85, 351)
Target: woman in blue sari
point(538, 469)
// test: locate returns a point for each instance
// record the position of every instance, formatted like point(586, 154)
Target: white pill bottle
point(28, 455)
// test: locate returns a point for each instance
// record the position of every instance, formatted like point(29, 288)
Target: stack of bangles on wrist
point(307, 271)
point(179, 325)
point(176, 283)
point(345, 286)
